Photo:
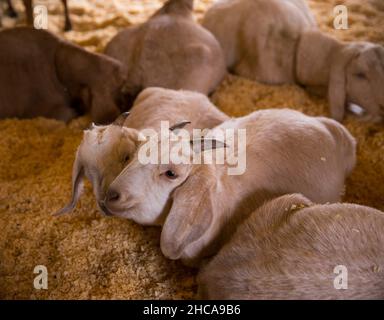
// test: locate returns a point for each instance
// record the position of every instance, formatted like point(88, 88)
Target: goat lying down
point(198, 204)
point(43, 75)
point(170, 50)
point(278, 42)
point(290, 248)
point(105, 150)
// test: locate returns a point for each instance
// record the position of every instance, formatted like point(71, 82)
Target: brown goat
point(42, 75)
point(290, 248)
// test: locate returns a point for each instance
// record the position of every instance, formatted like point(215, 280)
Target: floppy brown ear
point(337, 93)
point(101, 112)
point(191, 214)
point(77, 186)
point(82, 72)
point(75, 66)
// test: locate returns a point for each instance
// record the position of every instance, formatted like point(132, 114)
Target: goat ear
point(191, 214)
point(77, 186)
point(75, 66)
point(337, 92)
point(102, 114)
point(121, 119)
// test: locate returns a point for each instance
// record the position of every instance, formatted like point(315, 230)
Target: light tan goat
point(198, 204)
point(105, 150)
point(277, 42)
point(170, 50)
point(290, 248)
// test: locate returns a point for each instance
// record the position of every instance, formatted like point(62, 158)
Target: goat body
point(290, 248)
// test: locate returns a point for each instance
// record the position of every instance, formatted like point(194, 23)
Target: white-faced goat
point(106, 150)
point(285, 151)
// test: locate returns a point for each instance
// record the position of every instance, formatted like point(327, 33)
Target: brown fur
point(10, 11)
point(42, 75)
point(351, 72)
point(288, 249)
point(259, 37)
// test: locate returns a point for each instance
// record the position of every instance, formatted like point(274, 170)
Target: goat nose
point(112, 195)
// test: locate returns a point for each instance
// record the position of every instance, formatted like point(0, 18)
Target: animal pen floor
point(91, 256)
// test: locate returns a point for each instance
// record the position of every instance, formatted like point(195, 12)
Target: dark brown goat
point(43, 75)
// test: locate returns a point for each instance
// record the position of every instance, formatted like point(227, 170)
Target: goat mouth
point(116, 212)
point(105, 210)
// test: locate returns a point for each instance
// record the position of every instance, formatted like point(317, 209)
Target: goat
point(105, 150)
point(277, 42)
point(43, 75)
point(290, 248)
point(285, 151)
point(169, 50)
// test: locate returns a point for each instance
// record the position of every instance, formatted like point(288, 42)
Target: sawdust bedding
point(90, 256)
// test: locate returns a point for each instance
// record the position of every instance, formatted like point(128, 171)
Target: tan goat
point(198, 204)
point(290, 248)
point(277, 42)
point(170, 50)
point(105, 150)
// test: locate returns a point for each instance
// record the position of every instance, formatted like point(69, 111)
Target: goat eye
point(126, 158)
point(170, 174)
point(361, 75)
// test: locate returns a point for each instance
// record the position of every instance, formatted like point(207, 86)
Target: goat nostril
point(112, 195)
